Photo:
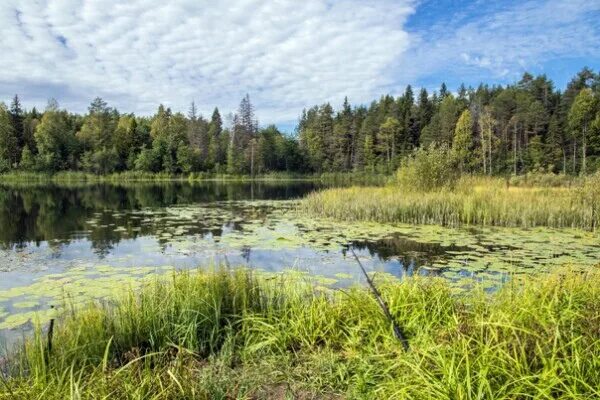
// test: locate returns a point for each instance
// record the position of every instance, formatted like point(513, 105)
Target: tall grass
point(237, 335)
point(473, 200)
point(78, 177)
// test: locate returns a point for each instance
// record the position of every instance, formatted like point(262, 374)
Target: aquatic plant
point(239, 334)
point(473, 201)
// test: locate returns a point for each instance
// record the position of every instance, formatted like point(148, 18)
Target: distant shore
point(132, 176)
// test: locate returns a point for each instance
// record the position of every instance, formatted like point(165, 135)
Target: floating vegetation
point(75, 287)
point(274, 235)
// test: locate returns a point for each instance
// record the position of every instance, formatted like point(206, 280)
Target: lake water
point(74, 243)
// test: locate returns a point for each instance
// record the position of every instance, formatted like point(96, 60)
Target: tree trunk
point(252, 159)
point(483, 151)
point(583, 151)
point(515, 150)
point(574, 156)
point(490, 148)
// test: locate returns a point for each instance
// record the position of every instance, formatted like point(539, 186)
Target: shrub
point(427, 169)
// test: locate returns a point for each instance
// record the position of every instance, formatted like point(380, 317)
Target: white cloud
point(500, 40)
point(287, 54)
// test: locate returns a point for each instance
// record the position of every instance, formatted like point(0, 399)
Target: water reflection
point(59, 214)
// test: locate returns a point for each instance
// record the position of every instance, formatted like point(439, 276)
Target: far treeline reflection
point(53, 212)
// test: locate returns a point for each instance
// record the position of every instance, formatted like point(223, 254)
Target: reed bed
point(474, 200)
point(342, 178)
point(224, 335)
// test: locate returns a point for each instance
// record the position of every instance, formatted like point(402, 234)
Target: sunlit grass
point(216, 335)
point(474, 200)
point(66, 177)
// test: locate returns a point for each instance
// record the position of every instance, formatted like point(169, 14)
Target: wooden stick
point(50, 334)
point(386, 311)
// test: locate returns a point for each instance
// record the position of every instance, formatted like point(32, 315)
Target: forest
point(526, 127)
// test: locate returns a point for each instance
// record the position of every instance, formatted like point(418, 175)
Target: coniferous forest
point(528, 126)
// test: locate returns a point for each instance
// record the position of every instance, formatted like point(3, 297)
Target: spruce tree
point(8, 140)
point(17, 118)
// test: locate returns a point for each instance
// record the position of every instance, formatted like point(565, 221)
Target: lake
point(67, 244)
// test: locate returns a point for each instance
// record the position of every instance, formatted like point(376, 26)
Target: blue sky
point(497, 41)
point(287, 54)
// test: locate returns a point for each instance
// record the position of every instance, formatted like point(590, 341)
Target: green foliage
point(28, 162)
point(8, 140)
point(580, 115)
point(244, 335)
point(188, 159)
point(232, 162)
point(98, 126)
point(55, 141)
point(147, 161)
point(4, 165)
point(462, 143)
point(442, 125)
point(388, 134)
point(102, 162)
point(428, 169)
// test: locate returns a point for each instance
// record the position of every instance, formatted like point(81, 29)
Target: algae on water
point(274, 236)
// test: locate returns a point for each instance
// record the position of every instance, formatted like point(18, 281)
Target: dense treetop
point(529, 126)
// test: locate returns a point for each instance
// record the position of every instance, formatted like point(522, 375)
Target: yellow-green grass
point(66, 177)
point(223, 335)
point(482, 201)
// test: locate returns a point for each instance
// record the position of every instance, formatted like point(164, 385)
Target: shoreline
point(232, 334)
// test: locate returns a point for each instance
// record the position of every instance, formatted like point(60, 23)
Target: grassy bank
point(135, 176)
point(473, 200)
point(236, 335)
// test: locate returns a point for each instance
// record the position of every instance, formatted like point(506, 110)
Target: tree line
point(525, 127)
point(529, 126)
point(105, 141)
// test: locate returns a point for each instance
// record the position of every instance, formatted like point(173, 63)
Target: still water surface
point(80, 241)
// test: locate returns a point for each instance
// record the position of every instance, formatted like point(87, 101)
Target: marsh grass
point(473, 200)
point(71, 177)
point(222, 334)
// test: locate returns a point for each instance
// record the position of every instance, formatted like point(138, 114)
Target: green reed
point(223, 335)
point(473, 200)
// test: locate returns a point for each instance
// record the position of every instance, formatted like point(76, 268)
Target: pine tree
point(17, 117)
point(244, 130)
point(8, 140)
point(215, 154)
point(443, 91)
point(424, 112)
point(325, 131)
